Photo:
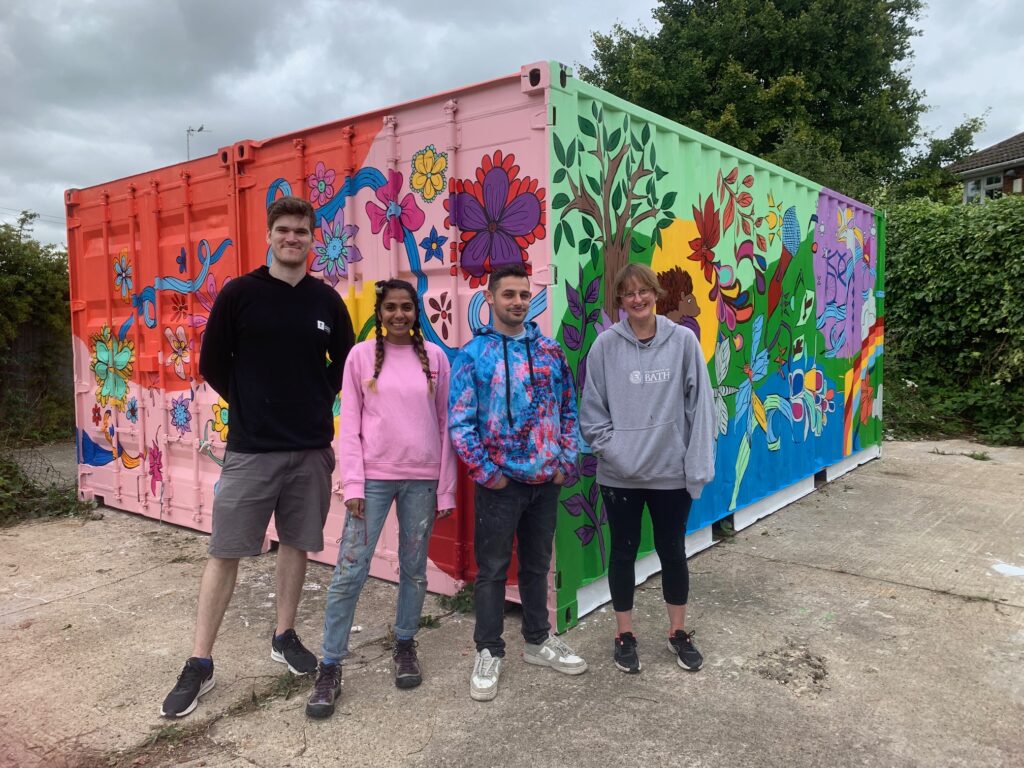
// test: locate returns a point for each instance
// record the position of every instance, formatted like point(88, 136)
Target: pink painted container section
point(149, 253)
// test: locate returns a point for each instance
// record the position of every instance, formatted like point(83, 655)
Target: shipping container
point(780, 278)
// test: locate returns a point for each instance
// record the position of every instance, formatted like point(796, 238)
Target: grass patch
point(976, 455)
point(23, 498)
point(429, 621)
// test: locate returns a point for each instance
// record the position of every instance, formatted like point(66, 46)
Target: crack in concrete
point(878, 579)
point(56, 600)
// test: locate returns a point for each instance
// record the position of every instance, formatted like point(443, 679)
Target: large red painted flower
point(709, 231)
point(499, 215)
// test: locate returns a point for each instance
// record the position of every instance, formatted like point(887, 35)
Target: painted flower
point(748, 405)
point(123, 275)
point(112, 361)
point(97, 415)
point(441, 311)
point(220, 418)
point(499, 215)
point(431, 246)
point(181, 417)
point(155, 459)
point(703, 247)
point(428, 172)
point(393, 216)
point(179, 307)
point(182, 260)
point(335, 248)
point(131, 410)
point(321, 184)
point(180, 350)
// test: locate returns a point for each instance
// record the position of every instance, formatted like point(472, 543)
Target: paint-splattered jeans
point(417, 508)
point(527, 512)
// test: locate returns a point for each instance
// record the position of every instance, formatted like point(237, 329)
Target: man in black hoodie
point(274, 347)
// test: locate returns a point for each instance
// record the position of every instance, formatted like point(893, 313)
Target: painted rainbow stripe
point(861, 366)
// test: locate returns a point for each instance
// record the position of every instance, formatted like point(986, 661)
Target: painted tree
point(614, 195)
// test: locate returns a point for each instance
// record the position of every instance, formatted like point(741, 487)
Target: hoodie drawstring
point(508, 378)
point(529, 359)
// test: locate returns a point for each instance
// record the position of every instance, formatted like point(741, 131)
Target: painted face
point(638, 300)
point(290, 240)
point(398, 314)
point(510, 303)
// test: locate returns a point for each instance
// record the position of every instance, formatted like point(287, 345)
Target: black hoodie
point(266, 350)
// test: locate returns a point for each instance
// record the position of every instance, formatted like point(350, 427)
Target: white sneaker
point(483, 685)
point(555, 654)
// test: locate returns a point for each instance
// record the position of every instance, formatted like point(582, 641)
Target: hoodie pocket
point(650, 453)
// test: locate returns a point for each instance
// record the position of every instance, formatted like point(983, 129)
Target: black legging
point(669, 511)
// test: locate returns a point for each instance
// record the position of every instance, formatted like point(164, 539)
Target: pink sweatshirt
point(399, 432)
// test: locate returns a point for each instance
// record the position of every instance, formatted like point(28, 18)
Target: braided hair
point(382, 287)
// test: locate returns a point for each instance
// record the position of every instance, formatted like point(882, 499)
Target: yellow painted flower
point(428, 172)
point(220, 418)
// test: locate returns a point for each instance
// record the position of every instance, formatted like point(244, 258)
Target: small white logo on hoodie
point(322, 326)
point(656, 377)
point(634, 377)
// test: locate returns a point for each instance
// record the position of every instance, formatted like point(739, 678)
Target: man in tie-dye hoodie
point(512, 420)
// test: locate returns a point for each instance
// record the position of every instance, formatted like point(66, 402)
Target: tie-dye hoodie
point(512, 408)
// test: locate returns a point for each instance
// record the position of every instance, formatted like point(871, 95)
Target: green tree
point(35, 336)
point(817, 85)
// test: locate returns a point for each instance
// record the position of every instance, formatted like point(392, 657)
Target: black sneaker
point(195, 680)
point(687, 655)
point(290, 650)
point(407, 666)
point(326, 691)
point(626, 657)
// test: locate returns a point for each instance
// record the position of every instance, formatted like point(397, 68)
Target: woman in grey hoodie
point(648, 414)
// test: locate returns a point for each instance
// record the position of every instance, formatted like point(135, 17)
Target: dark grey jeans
point(528, 513)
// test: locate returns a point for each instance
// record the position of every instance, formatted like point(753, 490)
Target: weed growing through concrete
point(460, 602)
point(429, 621)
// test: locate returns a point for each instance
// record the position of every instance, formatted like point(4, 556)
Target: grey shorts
point(294, 486)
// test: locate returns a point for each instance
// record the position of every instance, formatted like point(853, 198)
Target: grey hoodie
point(648, 410)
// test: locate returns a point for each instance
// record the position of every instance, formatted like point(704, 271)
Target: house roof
point(1005, 151)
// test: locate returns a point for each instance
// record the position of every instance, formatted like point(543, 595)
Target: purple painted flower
point(181, 418)
point(496, 224)
point(335, 248)
point(321, 184)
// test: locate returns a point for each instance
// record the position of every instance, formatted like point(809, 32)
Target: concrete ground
point(878, 621)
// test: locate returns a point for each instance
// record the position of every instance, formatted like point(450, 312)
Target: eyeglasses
point(643, 293)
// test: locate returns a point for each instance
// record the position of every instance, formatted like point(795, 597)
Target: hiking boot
point(290, 650)
point(326, 691)
point(687, 655)
point(407, 666)
point(483, 685)
point(626, 657)
point(555, 654)
point(195, 680)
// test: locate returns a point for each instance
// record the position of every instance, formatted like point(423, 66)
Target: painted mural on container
point(781, 280)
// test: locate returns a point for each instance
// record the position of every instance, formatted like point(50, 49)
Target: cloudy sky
point(100, 89)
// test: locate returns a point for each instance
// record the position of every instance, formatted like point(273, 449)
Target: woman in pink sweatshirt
point(394, 448)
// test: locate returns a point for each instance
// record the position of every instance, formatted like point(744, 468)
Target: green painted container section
point(736, 238)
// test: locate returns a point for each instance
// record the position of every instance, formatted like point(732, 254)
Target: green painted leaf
point(588, 226)
point(559, 175)
point(570, 154)
point(561, 200)
point(570, 238)
point(595, 187)
point(668, 200)
point(612, 141)
point(585, 244)
point(559, 149)
point(558, 235)
point(587, 127)
point(645, 134)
